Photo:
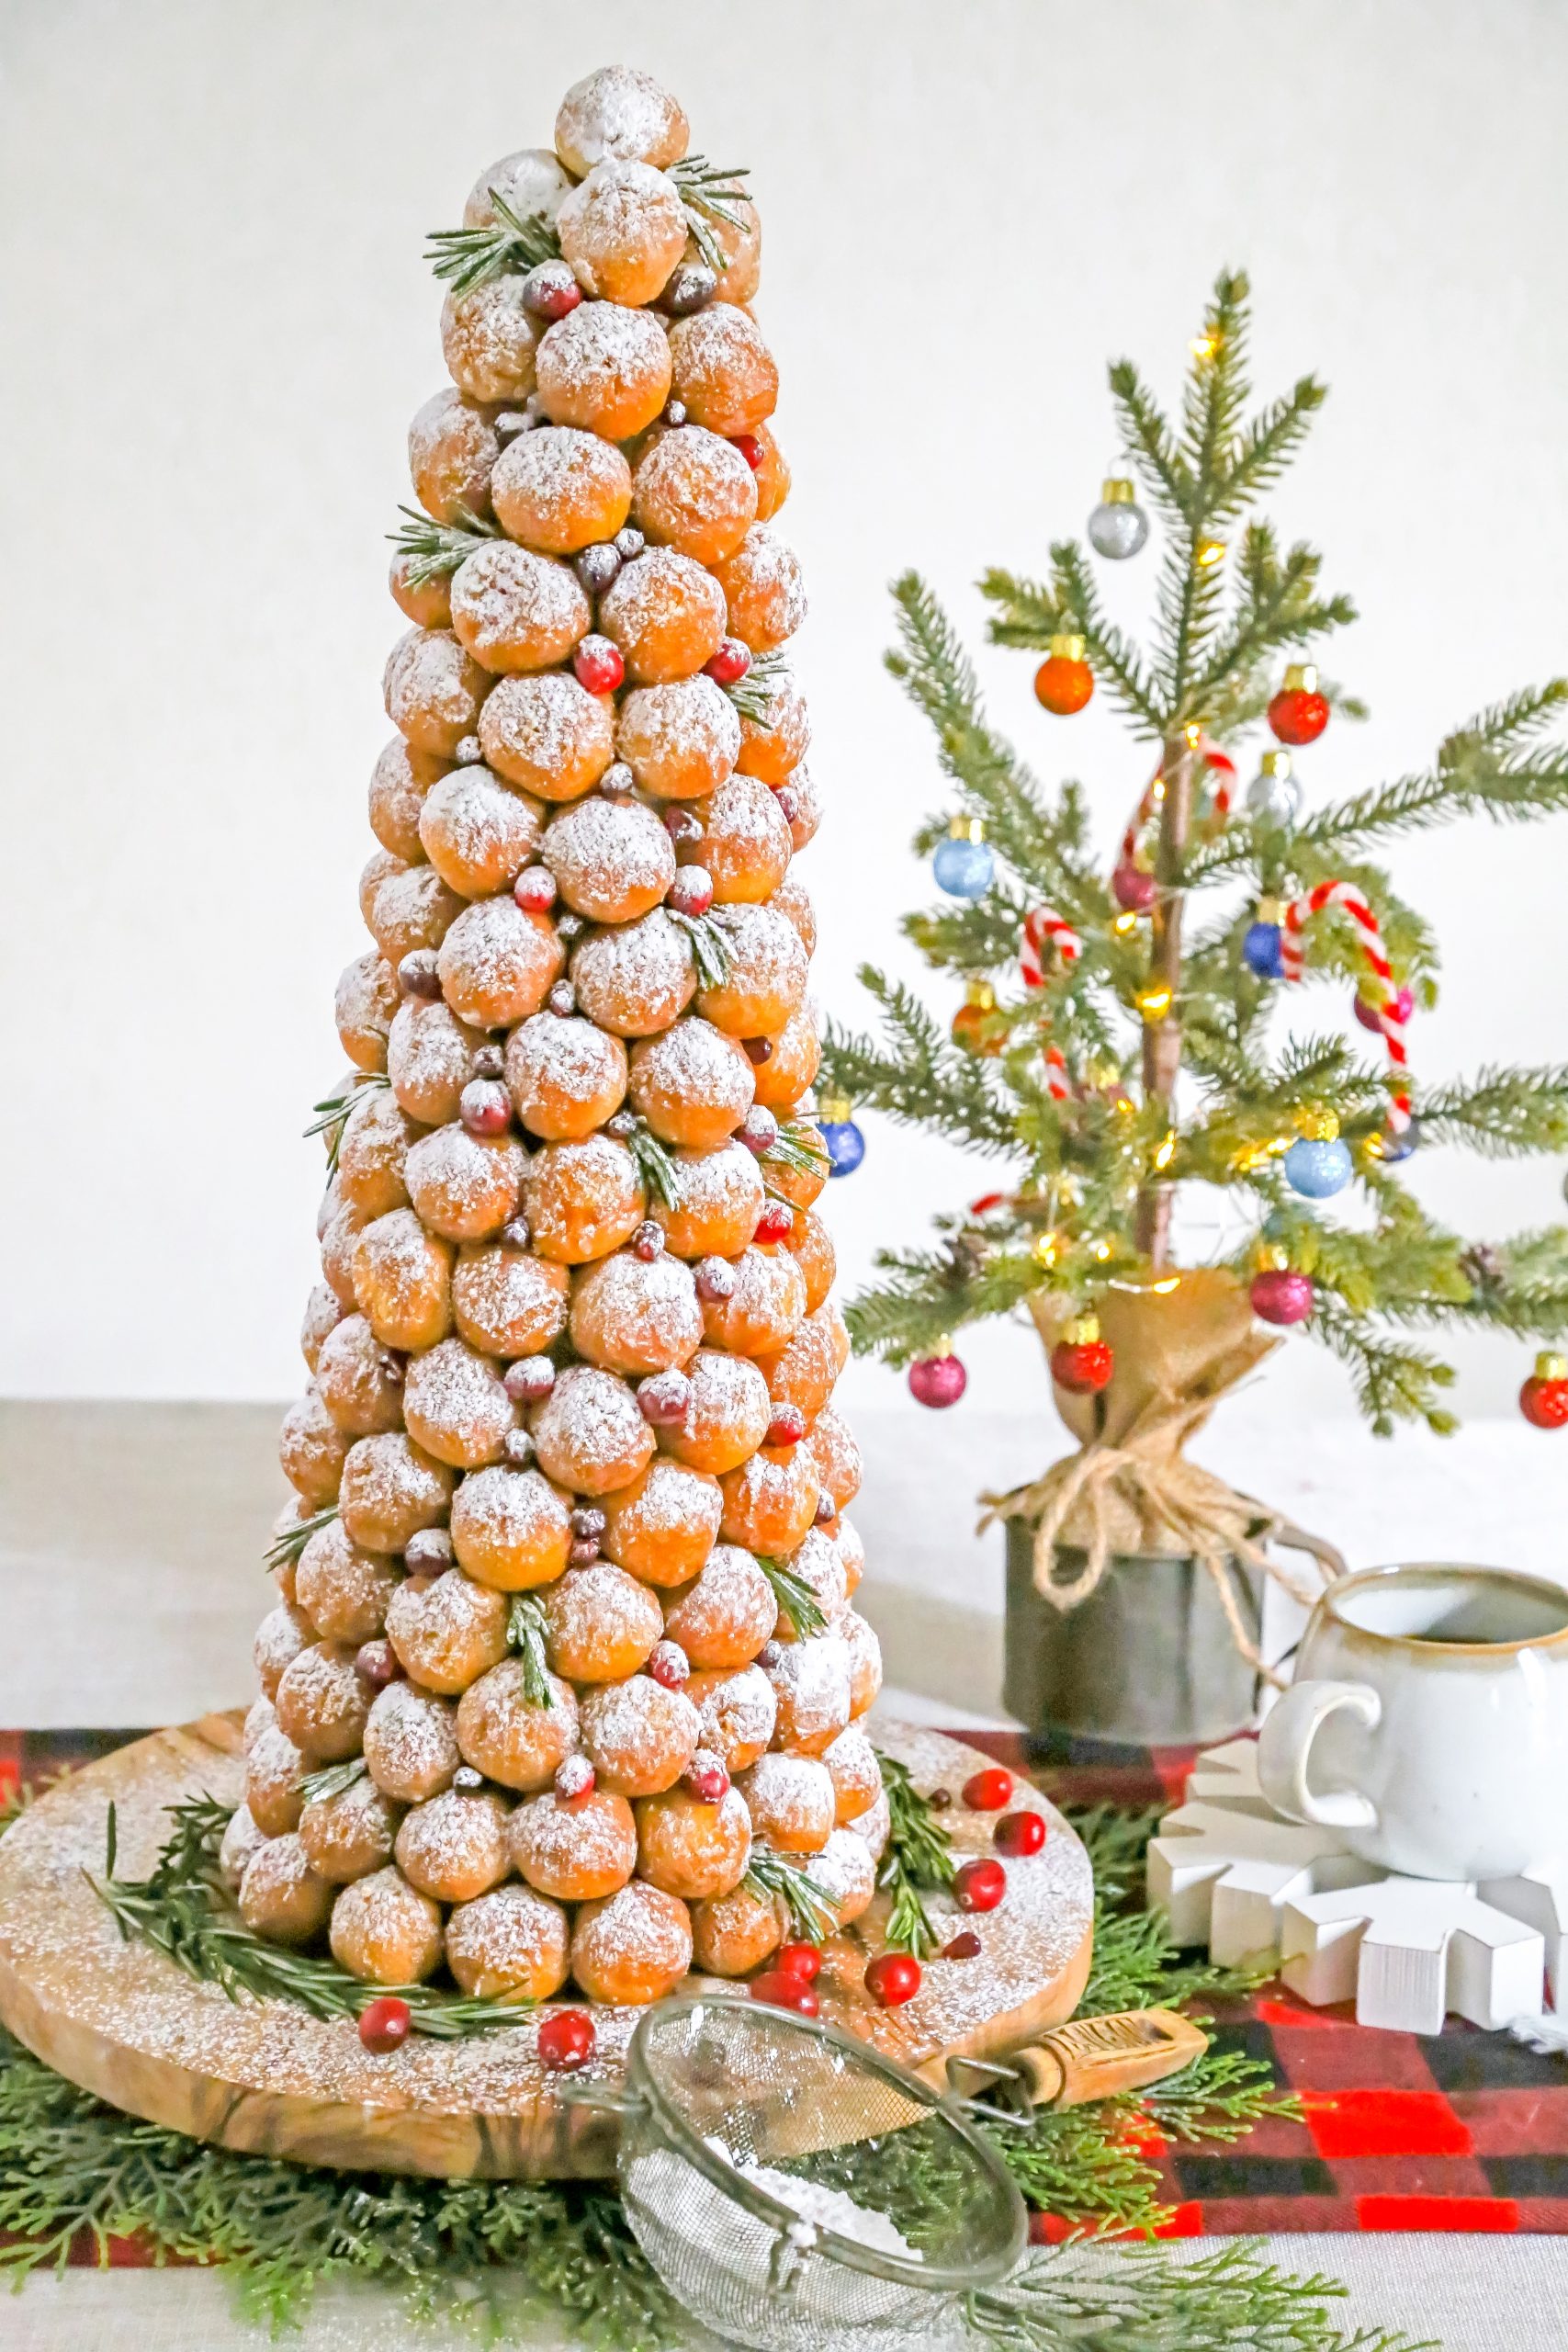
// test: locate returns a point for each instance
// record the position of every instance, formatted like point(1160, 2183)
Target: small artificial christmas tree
point(568, 1552)
point(1115, 1044)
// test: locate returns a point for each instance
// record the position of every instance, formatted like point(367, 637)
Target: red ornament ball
point(937, 1381)
point(385, 2025)
point(1063, 684)
point(979, 1885)
point(798, 1960)
point(966, 1945)
point(1543, 1399)
point(1298, 715)
point(893, 1978)
point(1281, 1295)
point(786, 1988)
point(1082, 1366)
point(566, 2041)
point(1134, 890)
point(1020, 1833)
point(598, 664)
point(1370, 1014)
point(989, 1791)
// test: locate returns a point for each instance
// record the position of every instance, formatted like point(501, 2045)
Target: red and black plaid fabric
point(1460, 2130)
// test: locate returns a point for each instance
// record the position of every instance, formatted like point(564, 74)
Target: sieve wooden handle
point(1088, 2059)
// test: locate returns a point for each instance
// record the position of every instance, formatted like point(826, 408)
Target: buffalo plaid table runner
point(1461, 2131)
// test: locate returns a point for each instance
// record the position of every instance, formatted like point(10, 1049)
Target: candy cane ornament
point(1046, 929)
point(1293, 965)
point(1221, 767)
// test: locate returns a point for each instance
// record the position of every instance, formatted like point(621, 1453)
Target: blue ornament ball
point(846, 1146)
point(1397, 1144)
point(963, 869)
point(1261, 950)
point(1317, 1169)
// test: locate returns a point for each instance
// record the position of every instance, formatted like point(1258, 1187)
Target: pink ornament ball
point(1281, 1295)
point(937, 1381)
point(1134, 890)
point(1369, 1016)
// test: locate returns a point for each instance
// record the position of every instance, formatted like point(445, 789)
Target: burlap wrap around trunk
point(1129, 1489)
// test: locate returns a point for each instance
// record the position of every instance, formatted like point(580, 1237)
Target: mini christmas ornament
point(1543, 1399)
point(988, 1792)
point(1298, 713)
point(970, 1021)
point(844, 1142)
point(385, 2025)
point(1049, 944)
point(1262, 946)
point(1081, 1361)
point(1118, 526)
point(1318, 1164)
point(979, 1885)
point(1064, 682)
point(1370, 1007)
point(1133, 889)
point(1395, 1144)
point(1274, 796)
point(937, 1380)
point(893, 1978)
point(1020, 1833)
point(1278, 1293)
point(965, 863)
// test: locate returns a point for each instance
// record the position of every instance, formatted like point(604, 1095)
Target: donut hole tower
point(563, 1680)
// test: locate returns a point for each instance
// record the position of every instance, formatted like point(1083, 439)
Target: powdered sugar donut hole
point(508, 1946)
point(790, 1071)
point(323, 1703)
point(665, 613)
point(635, 1946)
point(391, 1491)
point(622, 231)
point(465, 1187)
point(343, 1588)
point(240, 1841)
point(600, 1625)
point(745, 848)
point(720, 1199)
point(639, 1736)
point(692, 1848)
point(365, 1000)
point(498, 964)
point(433, 690)
point(478, 833)
point(281, 1897)
point(558, 490)
point(634, 1317)
point(857, 1776)
point(737, 1711)
point(275, 1773)
point(811, 1690)
point(454, 1848)
point(603, 369)
point(773, 747)
point(567, 1076)
point(589, 1433)
point(620, 112)
point(637, 978)
point(488, 340)
point(728, 1415)
point(531, 182)
point(810, 1244)
point(846, 1872)
point(722, 1618)
point(766, 594)
point(384, 1931)
point(348, 1835)
point(865, 1662)
point(517, 611)
point(733, 1934)
point(453, 446)
point(508, 1303)
point(723, 370)
point(455, 1405)
point(399, 782)
point(582, 1199)
point(511, 1529)
point(693, 1085)
point(612, 861)
point(765, 1308)
point(548, 734)
point(770, 1501)
point(509, 1737)
point(663, 1524)
point(371, 1151)
point(402, 1281)
point(693, 491)
point(410, 1744)
point(791, 1801)
point(681, 740)
point(312, 1450)
point(575, 1850)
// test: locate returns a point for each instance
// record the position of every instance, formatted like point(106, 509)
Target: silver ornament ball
point(1118, 529)
point(1274, 796)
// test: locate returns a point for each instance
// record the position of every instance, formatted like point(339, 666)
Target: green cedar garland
point(1091, 1196)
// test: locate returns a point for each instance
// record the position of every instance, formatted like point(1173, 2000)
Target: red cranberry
point(665, 1399)
point(562, 999)
point(979, 1885)
point(798, 1960)
point(394, 1367)
point(827, 1509)
point(518, 1448)
point(629, 543)
point(598, 664)
point(376, 1663)
point(668, 1665)
point(965, 1946)
point(582, 1551)
point(893, 1978)
point(1020, 1833)
point(566, 2041)
point(730, 663)
point(776, 1222)
point(534, 889)
point(989, 1791)
point(787, 1426)
point(617, 783)
point(691, 893)
point(941, 1800)
point(622, 1125)
point(468, 1778)
point(550, 291)
point(596, 565)
point(706, 1778)
point(588, 1519)
point(683, 827)
point(648, 1241)
point(575, 1778)
point(569, 927)
point(780, 1988)
point(529, 1380)
point(788, 800)
point(768, 1655)
point(485, 1107)
point(758, 1050)
point(428, 1551)
point(488, 1061)
point(758, 1130)
point(690, 285)
point(715, 1279)
point(675, 413)
point(750, 450)
point(515, 1233)
point(385, 2025)
point(417, 973)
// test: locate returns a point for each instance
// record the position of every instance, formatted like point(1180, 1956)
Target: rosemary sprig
point(286, 1548)
point(811, 1912)
point(333, 1780)
point(525, 1631)
point(181, 1909)
point(708, 194)
point(710, 949)
point(753, 694)
point(435, 549)
point(917, 1861)
point(657, 1172)
point(795, 1598)
point(799, 1146)
point(472, 257)
point(331, 1111)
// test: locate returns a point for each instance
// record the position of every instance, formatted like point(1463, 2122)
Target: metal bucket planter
point(1148, 1659)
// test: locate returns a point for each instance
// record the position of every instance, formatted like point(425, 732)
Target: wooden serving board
point(126, 2023)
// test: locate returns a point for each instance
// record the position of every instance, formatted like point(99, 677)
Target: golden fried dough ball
point(600, 1623)
point(281, 1897)
point(391, 1490)
point(765, 1309)
point(410, 1744)
point(771, 1501)
point(532, 180)
point(835, 1457)
point(488, 340)
point(478, 833)
point(363, 1006)
point(446, 1631)
point(371, 1151)
point(622, 229)
point(384, 1931)
point(561, 490)
point(728, 1415)
point(763, 585)
point(772, 475)
point(721, 1197)
point(857, 1776)
point(241, 1838)
point(741, 242)
point(663, 1524)
point(810, 1244)
point(349, 1836)
point(589, 1434)
point(575, 1848)
point(274, 1777)
point(736, 1713)
point(322, 1703)
point(723, 370)
point(452, 448)
point(693, 1085)
point(343, 1588)
point(567, 1076)
point(433, 690)
point(455, 1405)
point(623, 113)
point(605, 369)
point(358, 1382)
point(792, 900)
point(723, 1618)
point(766, 979)
point(788, 1071)
point(745, 847)
point(773, 748)
point(679, 740)
point(508, 1946)
point(811, 1691)
point(582, 1199)
point(466, 1187)
point(846, 1872)
point(692, 1848)
point(402, 1281)
point(429, 1060)
point(634, 1316)
point(612, 860)
point(507, 1302)
point(511, 1529)
point(803, 1371)
point(506, 1737)
point(454, 1848)
point(637, 978)
point(516, 611)
point(693, 491)
point(733, 1934)
point(865, 1662)
point(635, 1946)
point(791, 1801)
point(399, 782)
point(312, 1449)
point(497, 964)
point(639, 1736)
point(426, 603)
point(548, 734)
point(340, 1238)
point(852, 1552)
point(665, 613)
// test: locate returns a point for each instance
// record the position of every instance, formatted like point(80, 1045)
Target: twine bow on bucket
point(1129, 1489)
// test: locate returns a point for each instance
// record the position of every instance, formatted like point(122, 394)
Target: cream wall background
point(219, 323)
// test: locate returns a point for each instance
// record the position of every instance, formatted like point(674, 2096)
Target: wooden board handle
point(1087, 2059)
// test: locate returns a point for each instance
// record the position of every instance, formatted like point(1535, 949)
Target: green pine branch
point(926, 1296)
point(469, 258)
point(1499, 1113)
point(1393, 1381)
point(920, 1077)
point(1029, 613)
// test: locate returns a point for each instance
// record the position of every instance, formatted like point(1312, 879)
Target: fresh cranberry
point(582, 1551)
point(574, 1779)
point(588, 1519)
point(730, 663)
point(674, 413)
point(690, 285)
point(529, 1380)
point(965, 1946)
point(485, 1107)
point(566, 2041)
point(518, 1448)
point(470, 752)
point(629, 543)
point(750, 448)
point(979, 1885)
point(417, 976)
point(562, 999)
point(768, 1655)
point(648, 1241)
point(683, 827)
point(715, 1279)
point(776, 1222)
point(798, 1960)
point(787, 1426)
point(788, 800)
point(488, 1061)
point(691, 893)
point(989, 1791)
point(1020, 1833)
point(598, 664)
point(758, 1130)
point(385, 2025)
point(827, 1509)
point(665, 1399)
point(893, 1978)
point(617, 783)
point(468, 1778)
point(782, 1989)
point(758, 1050)
point(376, 1663)
point(705, 1777)
point(516, 1233)
point(596, 565)
point(939, 1800)
point(534, 889)
point(428, 1550)
point(550, 291)
point(668, 1665)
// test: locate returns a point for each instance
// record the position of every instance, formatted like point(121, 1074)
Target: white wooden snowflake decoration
point(1410, 1949)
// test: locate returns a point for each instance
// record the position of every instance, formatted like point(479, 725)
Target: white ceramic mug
point(1428, 1721)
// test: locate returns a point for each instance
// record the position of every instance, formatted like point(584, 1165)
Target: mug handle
point(1284, 1753)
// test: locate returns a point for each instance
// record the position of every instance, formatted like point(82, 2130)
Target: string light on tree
point(844, 1142)
point(938, 1380)
point(1543, 1399)
point(964, 864)
point(1299, 713)
point(1064, 682)
point(1274, 796)
point(1118, 526)
point(1318, 1164)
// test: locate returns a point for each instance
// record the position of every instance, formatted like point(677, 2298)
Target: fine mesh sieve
point(717, 2085)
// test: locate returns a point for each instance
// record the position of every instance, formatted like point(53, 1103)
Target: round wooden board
point(126, 2023)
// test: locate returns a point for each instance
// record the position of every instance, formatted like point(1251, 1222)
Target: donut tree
point(1123, 1031)
point(563, 1678)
